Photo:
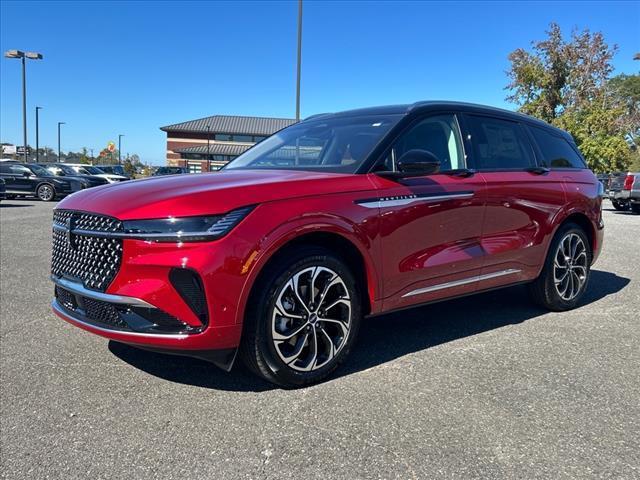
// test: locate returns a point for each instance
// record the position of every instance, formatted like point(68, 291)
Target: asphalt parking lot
point(482, 387)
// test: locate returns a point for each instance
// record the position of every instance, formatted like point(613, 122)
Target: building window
point(195, 167)
point(223, 137)
point(243, 138)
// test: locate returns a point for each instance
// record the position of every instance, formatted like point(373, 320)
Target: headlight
point(185, 229)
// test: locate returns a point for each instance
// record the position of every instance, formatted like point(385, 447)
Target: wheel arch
point(345, 248)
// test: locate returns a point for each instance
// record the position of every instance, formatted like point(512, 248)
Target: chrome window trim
point(463, 281)
point(79, 289)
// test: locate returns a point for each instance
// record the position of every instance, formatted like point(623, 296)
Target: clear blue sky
point(116, 67)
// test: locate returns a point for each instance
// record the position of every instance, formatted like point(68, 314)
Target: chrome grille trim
point(82, 250)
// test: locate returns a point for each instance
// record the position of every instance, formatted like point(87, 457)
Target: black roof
point(431, 105)
point(232, 124)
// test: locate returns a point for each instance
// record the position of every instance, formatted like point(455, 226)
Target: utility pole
point(59, 123)
point(37, 135)
point(208, 141)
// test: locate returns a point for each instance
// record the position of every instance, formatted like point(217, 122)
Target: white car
point(95, 171)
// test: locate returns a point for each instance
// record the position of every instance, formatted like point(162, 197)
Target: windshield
point(334, 144)
point(39, 171)
point(66, 169)
point(89, 170)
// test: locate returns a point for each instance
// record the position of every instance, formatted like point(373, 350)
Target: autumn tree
point(569, 84)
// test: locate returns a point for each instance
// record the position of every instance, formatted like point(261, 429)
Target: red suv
point(279, 256)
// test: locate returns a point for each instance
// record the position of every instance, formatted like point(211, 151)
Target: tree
point(568, 84)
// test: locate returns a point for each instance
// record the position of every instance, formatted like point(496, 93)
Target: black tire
point(46, 192)
point(258, 347)
point(635, 207)
point(543, 290)
point(619, 205)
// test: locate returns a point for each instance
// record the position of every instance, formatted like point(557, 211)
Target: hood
point(208, 193)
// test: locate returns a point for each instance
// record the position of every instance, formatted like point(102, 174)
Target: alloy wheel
point(45, 192)
point(570, 266)
point(311, 318)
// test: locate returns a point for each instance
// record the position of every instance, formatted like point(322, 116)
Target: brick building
point(228, 136)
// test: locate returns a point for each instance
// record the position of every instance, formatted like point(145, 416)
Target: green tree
point(568, 84)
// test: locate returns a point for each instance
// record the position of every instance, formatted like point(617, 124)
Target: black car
point(62, 170)
point(170, 171)
point(3, 193)
point(113, 170)
point(26, 179)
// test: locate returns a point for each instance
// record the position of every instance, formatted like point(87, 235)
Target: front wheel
point(46, 192)
point(566, 271)
point(303, 318)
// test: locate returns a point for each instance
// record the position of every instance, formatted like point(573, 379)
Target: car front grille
point(93, 260)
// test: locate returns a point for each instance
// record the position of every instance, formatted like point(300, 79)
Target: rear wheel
point(619, 205)
point(635, 207)
point(303, 318)
point(565, 275)
point(46, 192)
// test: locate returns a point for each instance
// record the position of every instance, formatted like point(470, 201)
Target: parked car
point(280, 255)
point(3, 190)
point(616, 182)
point(27, 180)
point(628, 195)
point(114, 170)
point(170, 171)
point(92, 170)
point(64, 170)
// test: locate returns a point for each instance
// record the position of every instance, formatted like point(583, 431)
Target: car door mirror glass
point(419, 162)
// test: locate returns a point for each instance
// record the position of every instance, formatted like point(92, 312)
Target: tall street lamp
point(23, 56)
point(119, 145)
point(208, 141)
point(59, 123)
point(299, 60)
point(37, 135)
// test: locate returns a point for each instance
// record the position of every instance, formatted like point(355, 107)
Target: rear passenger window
point(556, 151)
point(499, 144)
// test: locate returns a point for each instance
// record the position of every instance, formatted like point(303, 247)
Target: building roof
point(216, 149)
point(232, 124)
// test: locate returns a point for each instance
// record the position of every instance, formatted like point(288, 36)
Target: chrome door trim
point(463, 281)
point(401, 200)
point(79, 289)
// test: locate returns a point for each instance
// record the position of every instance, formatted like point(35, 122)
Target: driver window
point(439, 135)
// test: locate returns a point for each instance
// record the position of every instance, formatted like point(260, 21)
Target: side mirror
point(415, 163)
point(419, 162)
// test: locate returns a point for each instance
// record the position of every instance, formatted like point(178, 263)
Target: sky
point(129, 68)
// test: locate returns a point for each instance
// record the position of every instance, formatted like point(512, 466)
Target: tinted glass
point(333, 144)
point(499, 144)
point(556, 151)
point(439, 135)
point(5, 168)
point(40, 171)
point(19, 170)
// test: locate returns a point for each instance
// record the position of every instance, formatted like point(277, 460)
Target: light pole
point(23, 56)
point(59, 123)
point(208, 138)
point(37, 135)
point(299, 59)
point(119, 145)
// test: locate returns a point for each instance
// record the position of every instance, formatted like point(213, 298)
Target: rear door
point(522, 199)
point(430, 225)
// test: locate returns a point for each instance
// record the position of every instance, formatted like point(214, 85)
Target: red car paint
point(505, 221)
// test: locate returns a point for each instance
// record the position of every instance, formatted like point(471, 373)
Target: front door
point(431, 225)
